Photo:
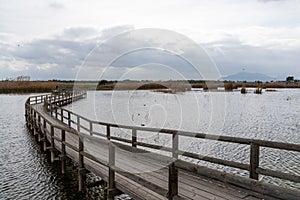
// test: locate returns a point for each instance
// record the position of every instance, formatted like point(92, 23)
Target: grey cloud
point(266, 1)
point(232, 56)
point(113, 31)
point(78, 33)
point(67, 52)
point(62, 52)
point(56, 5)
point(140, 47)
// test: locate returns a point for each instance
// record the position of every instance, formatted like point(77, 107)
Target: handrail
point(239, 140)
point(254, 144)
point(53, 104)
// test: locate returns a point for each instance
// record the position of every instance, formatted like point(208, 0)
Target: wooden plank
point(246, 183)
point(128, 158)
point(282, 175)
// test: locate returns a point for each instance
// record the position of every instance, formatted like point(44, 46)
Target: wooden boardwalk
point(135, 171)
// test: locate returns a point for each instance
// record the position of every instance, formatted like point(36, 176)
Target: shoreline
point(26, 87)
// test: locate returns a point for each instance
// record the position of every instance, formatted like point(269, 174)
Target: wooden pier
point(128, 165)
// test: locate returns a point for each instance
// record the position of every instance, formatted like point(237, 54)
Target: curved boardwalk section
point(130, 166)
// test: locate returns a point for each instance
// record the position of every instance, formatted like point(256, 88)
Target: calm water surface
point(26, 172)
point(273, 116)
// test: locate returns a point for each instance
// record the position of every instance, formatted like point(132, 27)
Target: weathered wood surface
point(126, 163)
point(126, 166)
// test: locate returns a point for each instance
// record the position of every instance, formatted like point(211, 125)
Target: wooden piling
point(52, 145)
point(134, 138)
point(173, 171)
point(254, 160)
point(63, 151)
point(111, 173)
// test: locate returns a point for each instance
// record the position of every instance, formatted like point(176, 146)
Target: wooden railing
point(86, 128)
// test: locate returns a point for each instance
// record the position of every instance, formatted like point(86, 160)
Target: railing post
point(173, 171)
point(134, 138)
point(254, 160)
point(63, 151)
point(111, 173)
point(52, 145)
point(175, 143)
point(34, 123)
point(91, 128)
point(26, 114)
point(55, 112)
point(108, 132)
point(39, 125)
point(44, 133)
point(51, 109)
point(62, 114)
point(69, 119)
point(81, 170)
point(78, 123)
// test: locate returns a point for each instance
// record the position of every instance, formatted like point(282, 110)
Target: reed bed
point(29, 86)
point(161, 86)
point(173, 86)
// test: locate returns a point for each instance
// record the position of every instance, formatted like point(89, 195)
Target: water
point(25, 171)
point(273, 116)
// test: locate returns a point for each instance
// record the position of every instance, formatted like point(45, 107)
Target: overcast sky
point(52, 39)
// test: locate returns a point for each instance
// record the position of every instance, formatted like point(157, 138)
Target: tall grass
point(174, 86)
point(31, 86)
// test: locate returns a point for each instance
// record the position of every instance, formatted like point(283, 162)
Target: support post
point(51, 109)
point(78, 124)
point(111, 173)
point(52, 145)
point(91, 128)
point(175, 143)
point(55, 112)
point(63, 151)
point(108, 132)
point(81, 170)
point(34, 123)
point(26, 114)
point(134, 138)
point(39, 125)
point(254, 160)
point(173, 171)
point(44, 135)
point(69, 119)
point(61, 115)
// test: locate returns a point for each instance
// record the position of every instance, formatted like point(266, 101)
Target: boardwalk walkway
point(134, 171)
point(190, 186)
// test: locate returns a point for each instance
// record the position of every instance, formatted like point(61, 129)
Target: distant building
point(290, 79)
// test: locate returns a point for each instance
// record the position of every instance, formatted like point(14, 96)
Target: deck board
point(154, 171)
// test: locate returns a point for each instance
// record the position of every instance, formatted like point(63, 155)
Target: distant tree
point(102, 82)
point(290, 79)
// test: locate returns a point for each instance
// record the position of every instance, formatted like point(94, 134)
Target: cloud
point(116, 30)
point(232, 56)
point(266, 1)
point(45, 57)
point(56, 5)
point(272, 51)
point(78, 33)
